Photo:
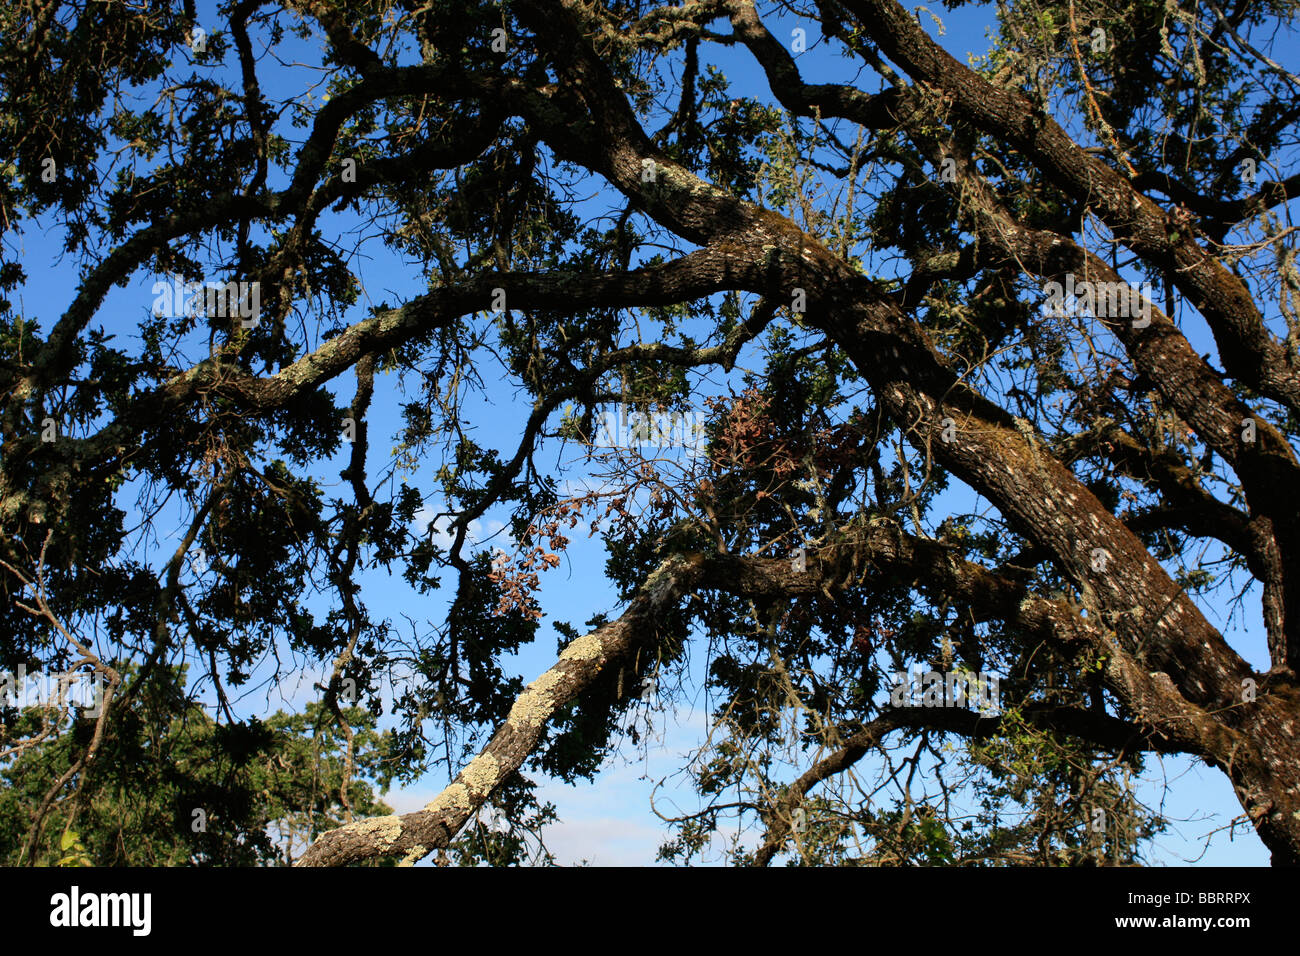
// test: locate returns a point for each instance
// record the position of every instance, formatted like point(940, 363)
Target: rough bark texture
point(1180, 683)
point(1166, 663)
point(414, 835)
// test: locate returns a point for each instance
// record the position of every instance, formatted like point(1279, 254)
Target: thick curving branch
point(413, 836)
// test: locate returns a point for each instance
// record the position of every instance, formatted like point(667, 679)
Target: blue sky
point(610, 821)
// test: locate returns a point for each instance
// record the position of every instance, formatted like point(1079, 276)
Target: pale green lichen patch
point(534, 704)
point(416, 854)
point(455, 797)
point(386, 830)
point(530, 710)
point(585, 648)
point(658, 583)
point(542, 684)
point(482, 773)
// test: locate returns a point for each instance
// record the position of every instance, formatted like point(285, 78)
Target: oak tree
point(989, 367)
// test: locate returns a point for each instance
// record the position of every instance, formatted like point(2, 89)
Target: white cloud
point(477, 533)
point(603, 841)
point(608, 821)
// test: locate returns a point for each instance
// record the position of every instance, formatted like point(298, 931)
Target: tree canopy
point(939, 412)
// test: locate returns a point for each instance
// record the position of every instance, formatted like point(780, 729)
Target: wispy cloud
point(478, 532)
